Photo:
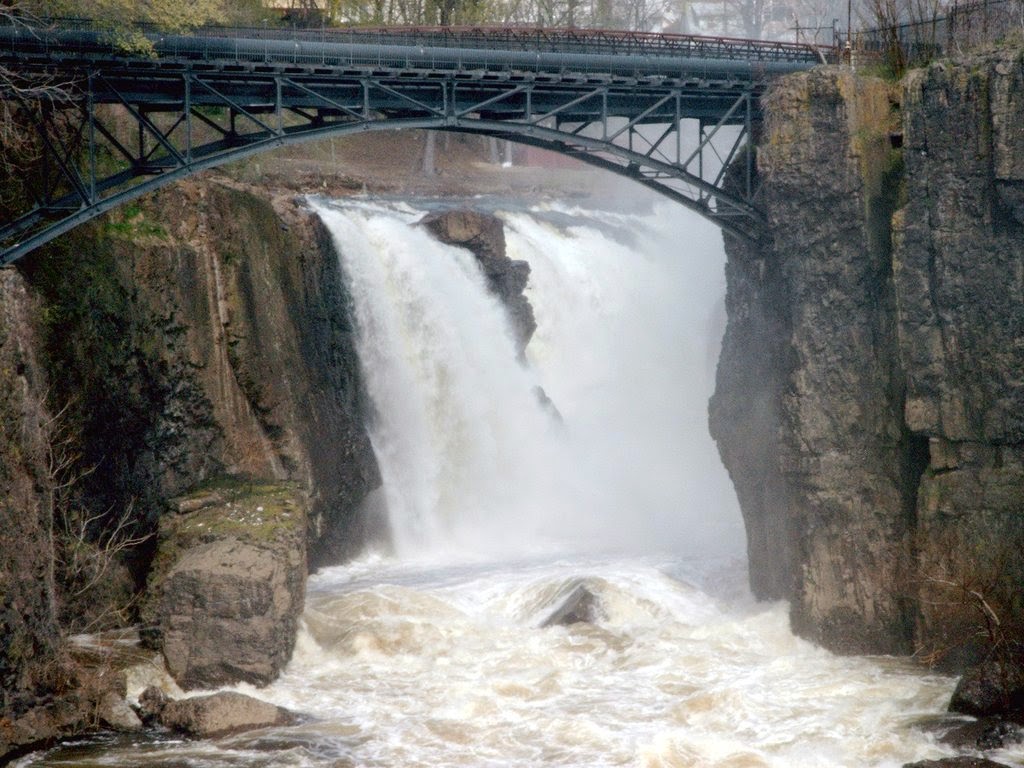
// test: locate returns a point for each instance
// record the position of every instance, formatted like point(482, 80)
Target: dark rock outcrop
point(581, 606)
point(991, 688)
point(222, 714)
point(985, 734)
point(484, 236)
point(229, 586)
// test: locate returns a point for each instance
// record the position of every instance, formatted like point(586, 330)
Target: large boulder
point(483, 235)
point(223, 713)
point(228, 585)
point(995, 687)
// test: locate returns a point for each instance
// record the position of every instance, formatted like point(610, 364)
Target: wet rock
point(220, 714)
point(115, 713)
point(985, 734)
point(991, 688)
point(228, 587)
point(151, 704)
point(484, 236)
point(580, 607)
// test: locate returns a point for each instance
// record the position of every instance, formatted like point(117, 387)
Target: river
point(432, 650)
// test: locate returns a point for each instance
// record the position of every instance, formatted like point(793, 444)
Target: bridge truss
point(131, 125)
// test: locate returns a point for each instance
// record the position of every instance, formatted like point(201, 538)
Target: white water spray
point(471, 460)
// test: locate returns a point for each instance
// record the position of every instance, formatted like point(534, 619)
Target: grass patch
point(132, 224)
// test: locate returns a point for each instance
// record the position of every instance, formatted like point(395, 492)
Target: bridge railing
point(523, 39)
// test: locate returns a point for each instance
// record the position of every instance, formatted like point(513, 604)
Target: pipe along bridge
point(671, 112)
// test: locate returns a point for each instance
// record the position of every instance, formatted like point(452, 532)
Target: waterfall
point(446, 656)
point(472, 461)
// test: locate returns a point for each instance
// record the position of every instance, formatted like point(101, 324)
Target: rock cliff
point(959, 279)
point(200, 333)
point(868, 403)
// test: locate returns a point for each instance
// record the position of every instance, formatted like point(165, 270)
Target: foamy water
point(447, 665)
point(436, 654)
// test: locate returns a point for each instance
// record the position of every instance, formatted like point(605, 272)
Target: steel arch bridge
point(671, 112)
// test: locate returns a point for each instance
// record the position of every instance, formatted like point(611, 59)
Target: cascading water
point(465, 451)
point(471, 458)
point(438, 655)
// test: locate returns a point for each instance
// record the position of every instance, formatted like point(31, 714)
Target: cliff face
point(202, 332)
point(868, 403)
point(959, 277)
point(30, 655)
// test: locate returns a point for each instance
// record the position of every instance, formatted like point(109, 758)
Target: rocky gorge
point(177, 366)
point(167, 374)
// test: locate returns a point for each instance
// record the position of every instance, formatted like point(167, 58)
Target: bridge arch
point(672, 123)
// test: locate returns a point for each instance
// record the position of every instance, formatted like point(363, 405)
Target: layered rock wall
point(959, 279)
point(200, 333)
point(823, 482)
point(868, 403)
point(204, 332)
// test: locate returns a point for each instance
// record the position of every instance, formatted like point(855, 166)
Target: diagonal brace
point(234, 105)
point(144, 121)
point(328, 101)
point(706, 141)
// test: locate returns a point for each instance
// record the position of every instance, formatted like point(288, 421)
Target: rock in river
point(221, 714)
point(580, 607)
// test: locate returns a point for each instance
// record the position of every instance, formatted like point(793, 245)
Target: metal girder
point(136, 128)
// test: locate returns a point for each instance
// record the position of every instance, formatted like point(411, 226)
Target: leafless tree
point(88, 546)
point(982, 604)
point(20, 93)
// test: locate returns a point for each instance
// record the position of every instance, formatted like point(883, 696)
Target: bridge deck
point(77, 34)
